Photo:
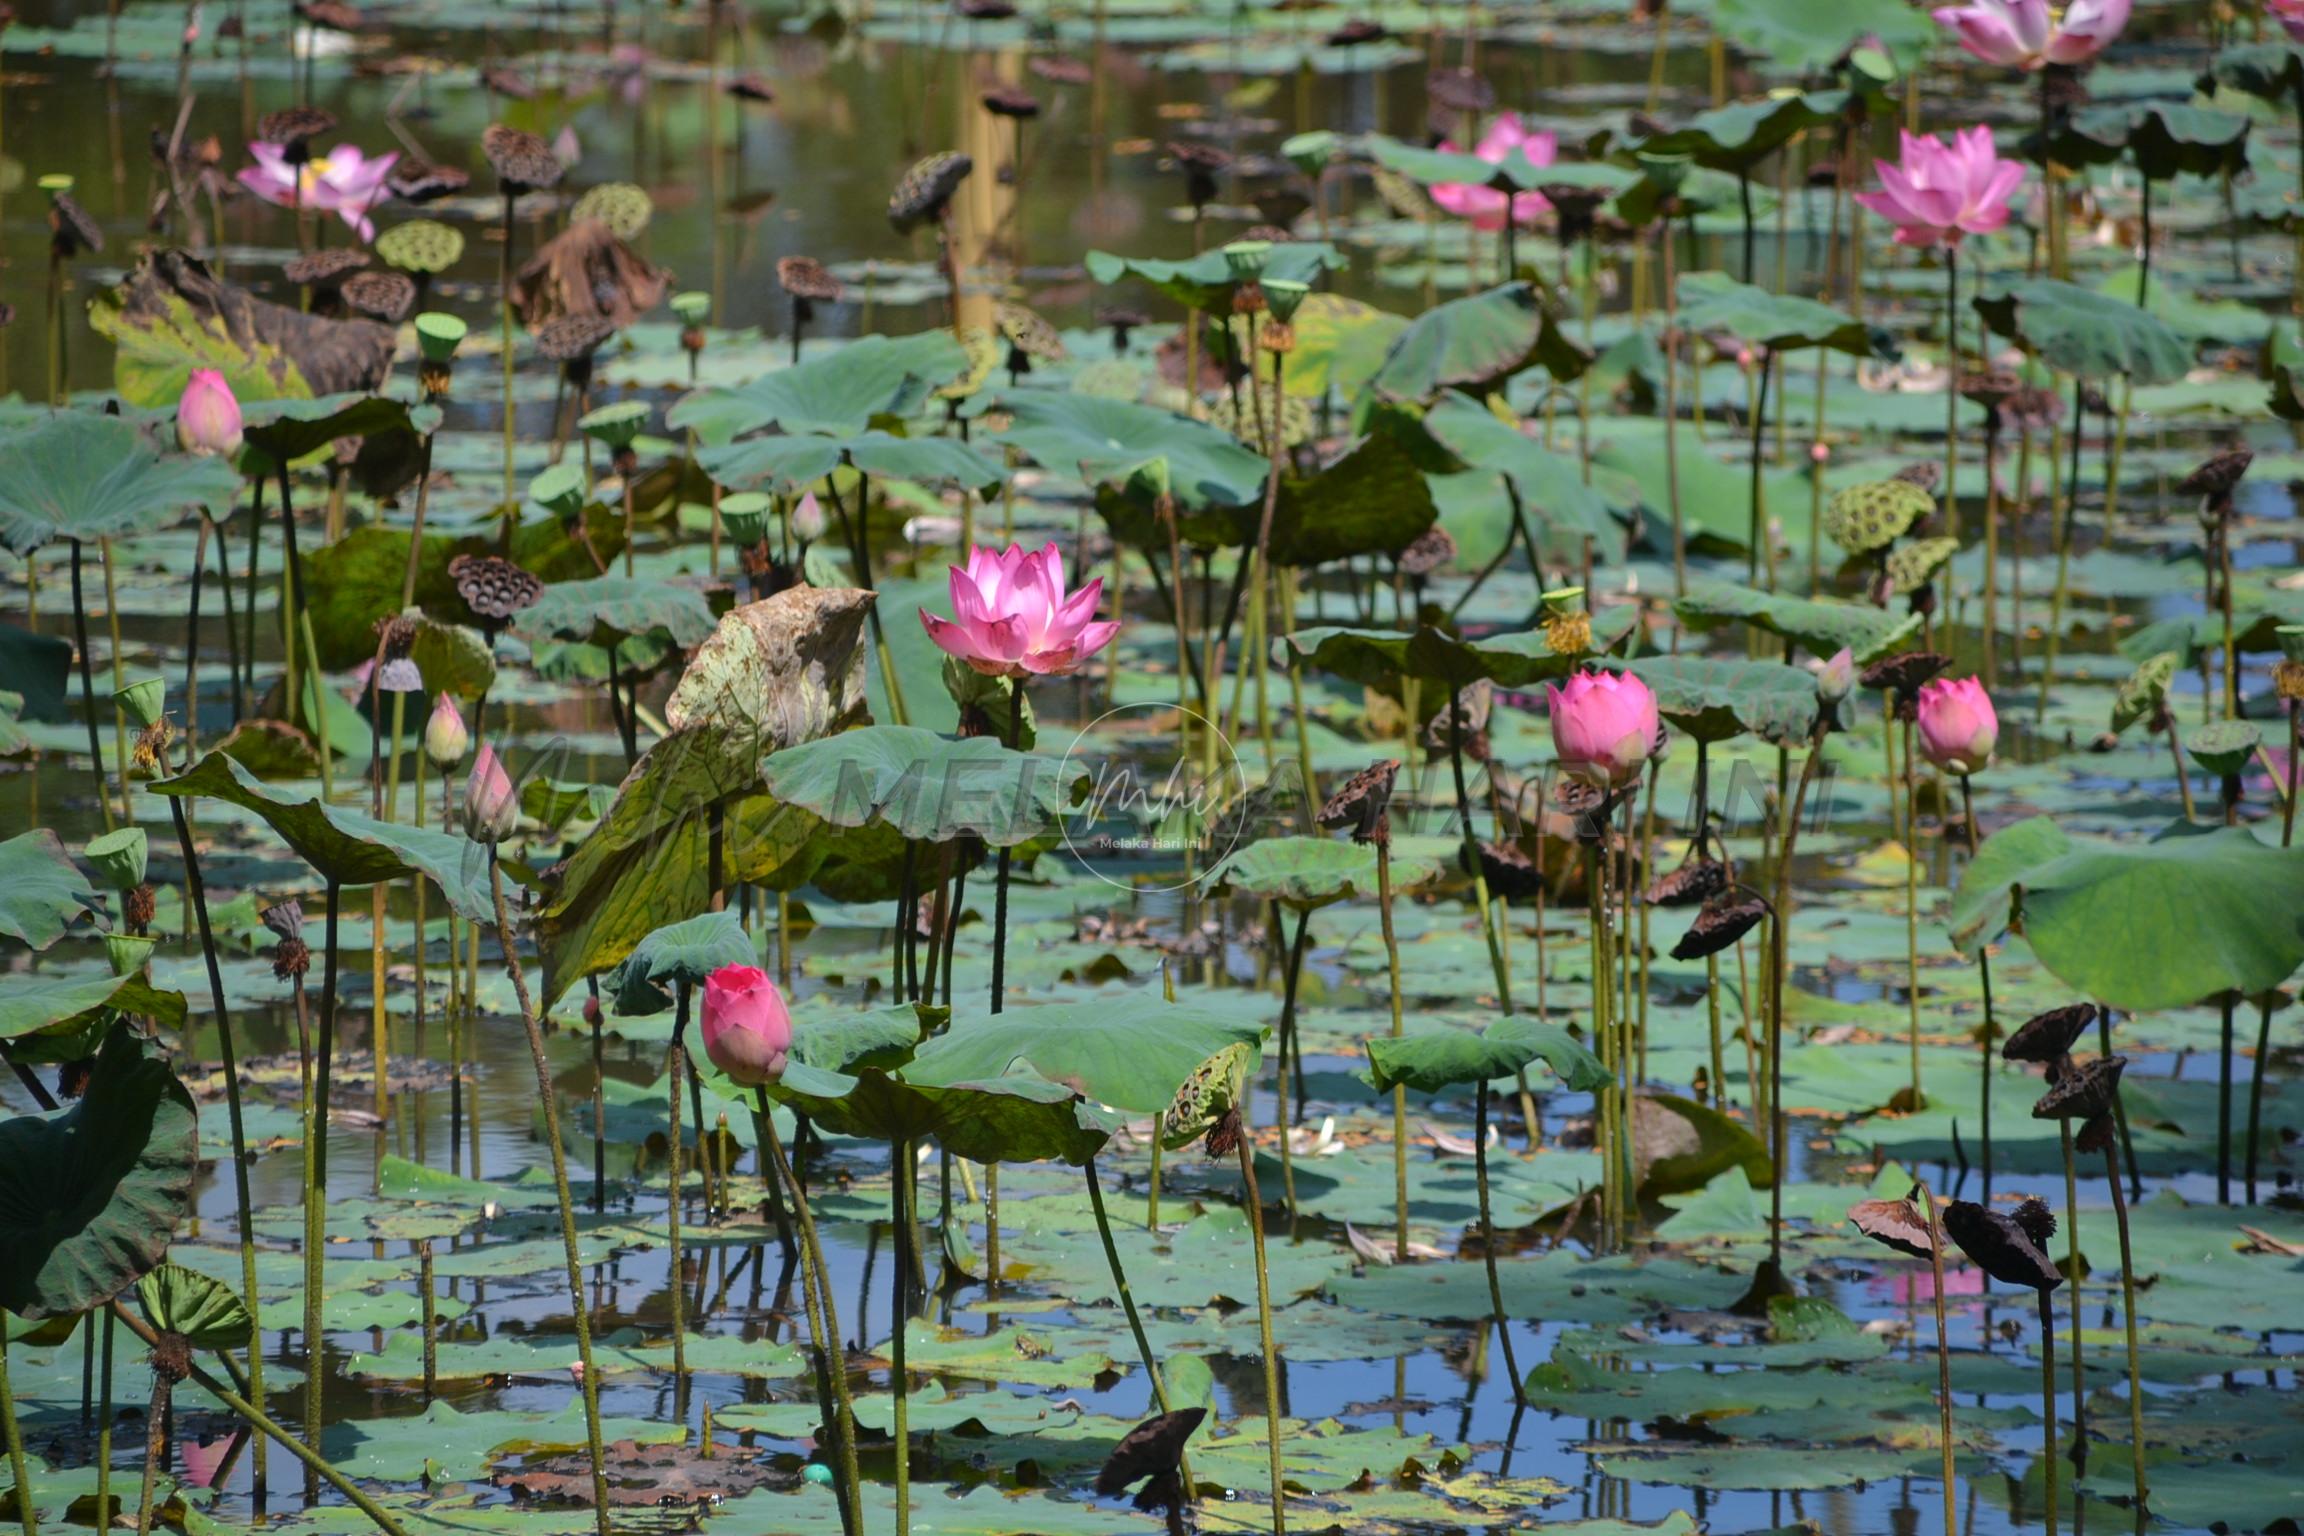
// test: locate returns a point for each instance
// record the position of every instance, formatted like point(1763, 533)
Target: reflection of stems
point(1488, 1236)
point(1943, 1351)
point(824, 1325)
point(590, 1385)
point(1264, 1328)
point(1128, 1298)
point(316, 1183)
point(672, 1209)
point(2128, 1315)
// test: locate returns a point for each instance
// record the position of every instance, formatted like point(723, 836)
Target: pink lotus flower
point(208, 415)
point(344, 182)
point(1012, 618)
point(1484, 205)
point(1937, 192)
point(747, 1028)
point(2290, 15)
point(491, 804)
point(2026, 34)
point(1958, 727)
point(1604, 726)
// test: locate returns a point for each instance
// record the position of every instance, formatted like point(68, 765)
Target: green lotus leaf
point(2144, 692)
point(1131, 1054)
point(1104, 441)
point(607, 609)
point(1819, 626)
point(1740, 135)
point(1551, 487)
point(678, 954)
point(90, 1195)
point(1017, 1117)
point(207, 1312)
point(1379, 658)
point(836, 395)
point(1475, 344)
point(2079, 331)
point(1433, 1060)
point(1714, 301)
point(1206, 282)
point(42, 892)
point(1713, 699)
point(58, 1007)
point(1303, 873)
point(2224, 746)
point(2195, 912)
point(930, 788)
point(1805, 37)
point(84, 476)
point(795, 461)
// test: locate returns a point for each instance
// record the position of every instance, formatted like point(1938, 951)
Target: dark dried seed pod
point(1510, 873)
point(171, 1357)
point(493, 587)
point(285, 919)
point(137, 907)
point(1697, 881)
point(2035, 410)
point(1201, 165)
point(1010, 101)
point(1991, 388)
point(1719, 925)
point(1925, 473)
point(1432, 549)
point(2049, 1037)
point(2037, 1220)
point(573, 338)
point(335, 15)
point(1357, 32)
point(395, 635)
point(1897, 1224)
point(420, 181)
point(1574, 207)
point(522, 161)
point(1224, 1136)
point(294, 129)
point(72, 1077)
point(1459, 90)
point(987, 10)
point(290, 959)
point(752, 88)
point(323, 269)
point(2084, 1092)
point(386, 295)
point(2101, 1134)
point(927, 189)
point(1150, 1449)
point(2219, 477)
point(72, 231)
point(2003, 1247)
point(1363, 806)
point(1122, 320)
point(804, 277)
point(1902, 675)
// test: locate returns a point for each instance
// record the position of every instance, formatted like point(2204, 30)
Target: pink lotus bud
point(491, 804)
point(747, 1028)
point(808, 519)
point(1958, 727)
point(1604, 726)
point(1011, 616)
point(1819, 453)
point(445, 738)
point(1836, 678)
point(208, 415)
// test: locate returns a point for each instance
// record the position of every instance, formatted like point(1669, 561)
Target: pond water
point(1401, 1411)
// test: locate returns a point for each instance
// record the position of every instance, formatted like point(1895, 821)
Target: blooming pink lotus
point(1936, 193)
point(1484, 205)
point(2290, 15)
point(344, 182)
point(491, 804)
point(2026, 34)
point(747, 1028)
point(1604, 726)
point(1012, 618)
point(208, 415)
point(1958, 726)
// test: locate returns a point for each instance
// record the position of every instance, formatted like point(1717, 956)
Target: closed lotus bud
point(491, 804)
point(208, 415)
point(808, 519)
point(747, 1027)
point(1836, 679)
point(445, 738)
point(1958, 727)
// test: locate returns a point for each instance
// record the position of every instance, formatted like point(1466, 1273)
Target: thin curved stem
point(824, 1321)
point(1264, 1329)
point(1502, 1318)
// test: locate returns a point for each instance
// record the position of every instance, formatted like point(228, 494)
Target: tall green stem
point(1399, 1094)
point(2128, 1316)
point(1936, 1241)
point(25, 1514)
point(88, 692)
point(580, 1313)
point(1264, 1330)
point(316, 1189)
point(1128, 1303)
point(1496, 1310)
point(824, 1321)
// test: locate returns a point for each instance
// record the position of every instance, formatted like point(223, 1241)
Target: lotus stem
point(2225, 1007)
point(316, 1191)
point(1399, 1093)
point(1471, 857)
point(1247, 1151)
point(590, 1385)
point(1888, 724)
point(1983, 970)
point(88, 693)
point(104, 1427)
point(2072, 1264)
point(1288, 984)
point(2067, 513)
point(672, 1059)
point(1502, 1318)
point(2256, 1095)
point(824, 1325)
point(196, 891)
point(2049, 1452)
point(1128, 1301)
point(314, 1462)
point(1936, 1241)
point(1990, 669)
point(1759, 510)
point(26, 1516)
point(155, 1449)
point(1952, 390)
point(1605, 1129)
point(504, 298)
point(900, 1316)
point(1779, 1122)
point(2128, 1316)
